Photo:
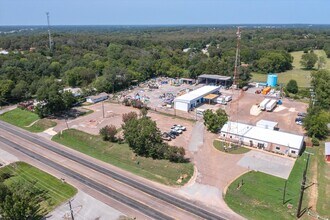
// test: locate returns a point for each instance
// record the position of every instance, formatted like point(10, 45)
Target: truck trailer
point(271, 105)
point(263, 104)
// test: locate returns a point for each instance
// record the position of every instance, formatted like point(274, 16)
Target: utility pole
point(302, 188)
point(102, 109)
point(71, 211)
point(284, 191)
point(66, 122)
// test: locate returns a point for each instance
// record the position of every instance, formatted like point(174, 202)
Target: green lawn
point(261, 195)
point(57, 191)
point(323, 180)
point(121, 156)
point(24, 119)
point(297, 73)
point(219, 145)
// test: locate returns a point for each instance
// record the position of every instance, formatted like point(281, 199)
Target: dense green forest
point(110, 59)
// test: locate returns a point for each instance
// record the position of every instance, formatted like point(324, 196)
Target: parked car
point(183, 128)
point(173, 136)
point(177, 130)
point(302, 114)
point(174, 132)
point(245, 88)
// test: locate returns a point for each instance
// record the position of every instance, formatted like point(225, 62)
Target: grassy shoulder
point(323, 180)
point(24, 119)
point(57, 191)
point(220, 145)
point(122, 156)
point(261, 195)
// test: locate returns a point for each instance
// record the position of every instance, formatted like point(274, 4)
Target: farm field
point(297, 73)
point(57, 192)
point(24, 119)
point(122, 156)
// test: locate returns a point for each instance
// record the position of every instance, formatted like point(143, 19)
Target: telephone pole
point(102, 109)
point(49, 34)
point(302, 188)
point(71, 211)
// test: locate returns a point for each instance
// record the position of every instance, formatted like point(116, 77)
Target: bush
point(315, 141)
point(129, 116)
point(108, 133)
point(292, 86)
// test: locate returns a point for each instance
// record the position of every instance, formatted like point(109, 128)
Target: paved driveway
point(267, 163)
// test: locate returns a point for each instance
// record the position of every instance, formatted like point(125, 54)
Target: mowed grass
point(261, 196)
point(57, 191)
point(122, 156)
point(24, 119)
point(298, 73)
point(323, 180)
point(219, 145)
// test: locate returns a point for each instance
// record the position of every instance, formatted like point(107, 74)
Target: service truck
point(271, 105)
point(263, 104)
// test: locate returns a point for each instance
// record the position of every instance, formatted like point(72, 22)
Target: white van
point(228, 98)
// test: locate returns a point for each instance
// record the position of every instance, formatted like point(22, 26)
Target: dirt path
point(313, 192)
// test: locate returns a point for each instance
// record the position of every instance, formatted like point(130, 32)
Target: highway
point(199, 212)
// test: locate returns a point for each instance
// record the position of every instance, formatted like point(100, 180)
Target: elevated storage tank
point(272, 80)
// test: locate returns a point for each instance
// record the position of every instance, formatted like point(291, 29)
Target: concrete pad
point(7, 158)
point(85, 207)
point(279, 108)
point(267, 163)
point(255, 110)
point(292, 109)
point(207, 194)
point(197, 137)
point(50, 131)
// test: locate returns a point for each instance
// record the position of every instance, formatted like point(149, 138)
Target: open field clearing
point(27, 120)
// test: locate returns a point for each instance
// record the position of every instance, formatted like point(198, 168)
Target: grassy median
point(24, 119)
point(122, 156)
point(261, 195)
point(57, 191)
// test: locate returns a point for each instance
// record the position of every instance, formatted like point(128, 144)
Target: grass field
point(57, 192)
point(297, 73)
point(24, 119)
point(121, 156)
point(219, 145)
point(261, 196)
point(323, 180)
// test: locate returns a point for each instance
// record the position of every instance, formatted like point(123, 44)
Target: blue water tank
point(272, 80)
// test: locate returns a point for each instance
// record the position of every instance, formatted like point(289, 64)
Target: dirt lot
point(246, 111)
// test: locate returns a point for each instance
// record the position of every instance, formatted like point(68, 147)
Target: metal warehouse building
point(263, 138)
point(214, 79)
point(194, 98)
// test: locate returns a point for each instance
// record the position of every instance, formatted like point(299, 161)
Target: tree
point(20, 90)
point(321, 62)
point(308, 60)
point(21, 200)
point(292, 86)
point(5, 89)
point(215, 121)
point(108, 133)
point(129, 116)
point(144, 111)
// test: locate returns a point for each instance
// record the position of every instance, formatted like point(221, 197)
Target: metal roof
point(195, 94)
point(327, 148)
point(263, 134)
point(217, 77)
point(211, 96)
point(266, 123)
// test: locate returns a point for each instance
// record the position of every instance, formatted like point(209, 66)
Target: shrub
point(108, 133)
point(315, 141)
point(292, 86)
point(129, 116)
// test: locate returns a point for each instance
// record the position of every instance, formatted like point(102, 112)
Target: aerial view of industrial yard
point(177, 109)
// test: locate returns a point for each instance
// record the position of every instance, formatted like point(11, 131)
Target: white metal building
point(97, 98)
point(262, 138)
point(194, 98)
point(272, 125)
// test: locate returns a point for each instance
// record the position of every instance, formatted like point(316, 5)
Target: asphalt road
point(201, 212)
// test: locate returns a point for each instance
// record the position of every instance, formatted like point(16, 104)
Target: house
point(194, 98)
point(97, 98)
point(4, 52)
point(75, 91)
point(327, 151)
point(263, 138)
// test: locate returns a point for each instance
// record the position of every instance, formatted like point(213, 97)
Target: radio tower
point(49, 35)
point(237, 60)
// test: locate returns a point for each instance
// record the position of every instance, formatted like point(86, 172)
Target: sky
point(164, 12)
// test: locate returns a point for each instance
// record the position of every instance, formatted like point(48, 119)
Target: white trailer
point(263, 104)
point(228, 98)
point(271, 105)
